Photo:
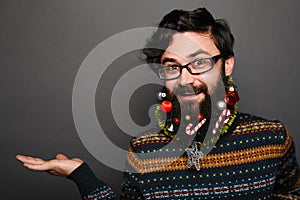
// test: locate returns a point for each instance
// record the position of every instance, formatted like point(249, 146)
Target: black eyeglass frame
point(214, 60)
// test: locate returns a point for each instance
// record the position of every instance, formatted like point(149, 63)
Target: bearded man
point(193, 156)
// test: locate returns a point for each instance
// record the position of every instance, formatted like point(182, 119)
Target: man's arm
point(90, 187)
point(287, 184)
point(75, 169)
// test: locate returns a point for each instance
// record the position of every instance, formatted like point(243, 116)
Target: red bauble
point(176, 120)
point(200, 117)
point(166, 106)
point(231, 97)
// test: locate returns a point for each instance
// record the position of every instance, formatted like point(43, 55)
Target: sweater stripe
point(211, 160)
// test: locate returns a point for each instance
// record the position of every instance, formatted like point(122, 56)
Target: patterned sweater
point(255, 159)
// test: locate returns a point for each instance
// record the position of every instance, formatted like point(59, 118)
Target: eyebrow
point(168, 60)
point(199, 51)
point(192, 55)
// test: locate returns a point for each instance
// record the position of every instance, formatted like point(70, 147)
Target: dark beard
point(191, 108)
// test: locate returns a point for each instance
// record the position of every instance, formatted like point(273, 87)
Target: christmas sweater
point(254, 159)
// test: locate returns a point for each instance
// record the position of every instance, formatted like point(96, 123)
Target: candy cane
point(226, 113)
point(191, 132)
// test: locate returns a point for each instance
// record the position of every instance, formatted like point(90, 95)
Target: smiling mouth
point(191, 93)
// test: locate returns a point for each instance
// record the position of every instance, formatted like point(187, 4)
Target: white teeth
point(186, 94)
point(191, 93)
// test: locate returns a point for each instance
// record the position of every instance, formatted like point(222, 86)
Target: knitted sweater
point(255, 159)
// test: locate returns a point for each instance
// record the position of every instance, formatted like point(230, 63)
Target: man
point(253, 158)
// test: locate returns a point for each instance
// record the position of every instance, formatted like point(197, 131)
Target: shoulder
point(149, 140)
point(249, 123)
point(264, 131)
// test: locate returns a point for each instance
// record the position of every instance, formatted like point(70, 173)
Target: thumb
point(61, 157)
point(78, 160)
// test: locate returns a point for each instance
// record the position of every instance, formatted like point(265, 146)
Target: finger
point(78, 160)
point(38, 167)
point(19, 157)
point(54, 173)
point(28, 159)
point(31, 160)
point(61, 157)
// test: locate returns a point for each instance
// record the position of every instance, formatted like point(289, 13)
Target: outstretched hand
point(61, 166)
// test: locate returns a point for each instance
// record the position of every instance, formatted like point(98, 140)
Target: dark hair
point(199, 20)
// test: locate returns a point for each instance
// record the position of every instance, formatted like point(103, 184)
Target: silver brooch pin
point(194, 155)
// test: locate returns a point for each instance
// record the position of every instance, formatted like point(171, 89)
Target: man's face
point(184, 48)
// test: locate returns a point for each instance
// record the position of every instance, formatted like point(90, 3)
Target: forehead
point(187, 43)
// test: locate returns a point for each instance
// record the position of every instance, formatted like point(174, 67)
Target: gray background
point(43, 43)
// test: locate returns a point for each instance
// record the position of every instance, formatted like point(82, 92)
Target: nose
point(186, 77)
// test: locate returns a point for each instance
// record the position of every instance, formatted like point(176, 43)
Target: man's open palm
point(61, 166)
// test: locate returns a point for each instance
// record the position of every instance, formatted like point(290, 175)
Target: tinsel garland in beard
point(191, 109)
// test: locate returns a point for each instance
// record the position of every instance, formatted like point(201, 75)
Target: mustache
point(189, 90)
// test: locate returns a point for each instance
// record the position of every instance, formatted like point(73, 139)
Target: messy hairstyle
point(199, 20)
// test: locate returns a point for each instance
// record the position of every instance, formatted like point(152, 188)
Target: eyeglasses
point(197, 67)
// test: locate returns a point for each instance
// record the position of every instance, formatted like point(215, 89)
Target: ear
point(229, 65)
